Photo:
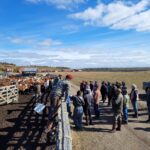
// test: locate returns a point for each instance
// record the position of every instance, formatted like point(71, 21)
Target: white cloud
point(76, 59)
point(117, 15)
point(20, 40)
point(49, 42)
point(35, 42)
point(62, 4)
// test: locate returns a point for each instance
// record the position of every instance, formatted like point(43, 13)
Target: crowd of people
point(89, 96)
point(87, 101)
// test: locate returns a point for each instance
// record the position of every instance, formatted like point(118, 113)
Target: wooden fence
point(8, 94)
point(64, 141)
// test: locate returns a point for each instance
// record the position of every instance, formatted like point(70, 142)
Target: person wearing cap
point(126, 100)
point(88, 98)
point(134, 96)
point(117, 106)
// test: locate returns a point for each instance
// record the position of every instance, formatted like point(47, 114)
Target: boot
point(87, 121)
point(114, 127)
point(119, 126)
point(91, 122)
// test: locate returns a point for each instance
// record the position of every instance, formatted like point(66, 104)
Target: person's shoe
point(91, 123)
point(118, 129)
point(135, 116)
point(113, 131)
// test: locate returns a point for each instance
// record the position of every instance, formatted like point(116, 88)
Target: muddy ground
point(21, 128)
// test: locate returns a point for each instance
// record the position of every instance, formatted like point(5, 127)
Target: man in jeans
point(97, 96)
point(126, 100)
point(78, 103)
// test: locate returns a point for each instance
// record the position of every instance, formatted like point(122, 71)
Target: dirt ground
point(21, 128)
point(134, 136)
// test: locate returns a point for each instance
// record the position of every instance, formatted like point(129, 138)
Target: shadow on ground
point(26, 131)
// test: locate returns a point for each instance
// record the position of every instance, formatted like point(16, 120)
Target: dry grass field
point(128, 77)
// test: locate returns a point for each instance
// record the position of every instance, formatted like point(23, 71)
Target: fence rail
point(64, 141)
point(8, 94)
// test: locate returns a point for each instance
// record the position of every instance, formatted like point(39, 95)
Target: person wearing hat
point(126, 100)
point(117, 106)
point(134, 96)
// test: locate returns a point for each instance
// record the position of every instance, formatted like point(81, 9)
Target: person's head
point(97, 86)
point(148, 89)
point(59, 76)
point(123, 83)
point(78, 93)
point(134, 87)
point(69, 77)
point(118, 91)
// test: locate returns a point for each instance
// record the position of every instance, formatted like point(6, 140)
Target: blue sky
point(75, 33)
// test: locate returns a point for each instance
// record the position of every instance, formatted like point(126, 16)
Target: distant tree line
point(116, 69)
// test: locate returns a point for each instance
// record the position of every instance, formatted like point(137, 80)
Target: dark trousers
point(103, 97)
point(88, 114)
point(125, 113)
point(96, 110)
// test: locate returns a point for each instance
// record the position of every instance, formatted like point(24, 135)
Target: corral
point(22, 128)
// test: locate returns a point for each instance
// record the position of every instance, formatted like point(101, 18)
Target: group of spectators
point(90, 94)
point(88, 99)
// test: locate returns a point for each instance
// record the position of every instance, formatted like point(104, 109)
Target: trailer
point(8, 94)
point(146, 85)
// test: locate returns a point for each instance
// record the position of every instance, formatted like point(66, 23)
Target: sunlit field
point(128, 77)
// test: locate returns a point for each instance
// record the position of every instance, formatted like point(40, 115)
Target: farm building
point(29, 71)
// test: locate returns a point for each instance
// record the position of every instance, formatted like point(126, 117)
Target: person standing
point(91, 86)
point(103, 91)
point(37, 90)
point(148, 103)
point(88, 98)
point(109, 87)
point(134, 96)
point(78, 103)
point(97, 96)
point(59, 89)
point(117, 106)
point(126, 100)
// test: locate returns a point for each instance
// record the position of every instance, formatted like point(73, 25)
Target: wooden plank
point(8, 94)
